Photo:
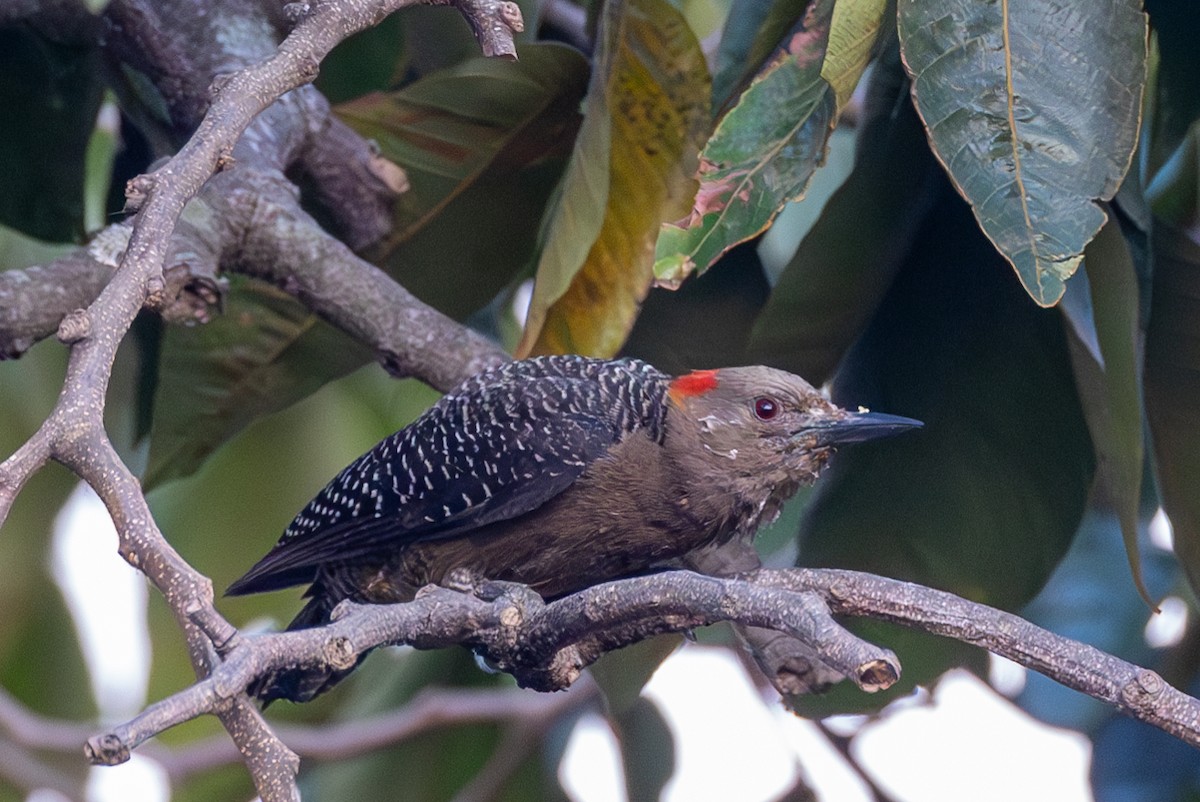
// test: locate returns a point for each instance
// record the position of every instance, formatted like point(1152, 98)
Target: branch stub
point(75, 326)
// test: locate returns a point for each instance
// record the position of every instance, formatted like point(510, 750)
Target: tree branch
point(430, 709)
point(1138, 692)
point(282, 244)
point(546, 646)
point(74, 432)
point(790, 665)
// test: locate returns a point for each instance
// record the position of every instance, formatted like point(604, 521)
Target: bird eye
point(765, 408)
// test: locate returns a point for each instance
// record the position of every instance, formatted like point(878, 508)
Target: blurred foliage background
point(914, 202)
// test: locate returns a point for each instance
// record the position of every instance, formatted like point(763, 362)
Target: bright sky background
point(733, 742)
point(967, 742)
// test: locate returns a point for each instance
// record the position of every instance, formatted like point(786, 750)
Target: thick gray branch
point(545, 646)
point(790, 665)
point(282, 244)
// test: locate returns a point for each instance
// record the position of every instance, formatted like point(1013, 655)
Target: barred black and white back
point(501, 444)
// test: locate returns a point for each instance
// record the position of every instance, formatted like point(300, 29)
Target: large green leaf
point(985, 499)
point(1105, 345)
point(647, 107)
point(766, 148)
point(215, 379)
point(753, 30)
point(50, 94)
point(1034, 110)
point(1172, 385)
point(844, 266)
point(370, 61)
point(448, 128)
point(483, 144)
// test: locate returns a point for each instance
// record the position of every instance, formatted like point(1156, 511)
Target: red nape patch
point(695, 383)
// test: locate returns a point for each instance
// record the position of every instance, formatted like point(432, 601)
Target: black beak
point(862, 426)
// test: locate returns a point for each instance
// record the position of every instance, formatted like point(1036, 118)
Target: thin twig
point(21, 769)
point(431, 709)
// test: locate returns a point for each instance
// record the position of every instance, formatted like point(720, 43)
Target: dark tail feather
point(302, 684)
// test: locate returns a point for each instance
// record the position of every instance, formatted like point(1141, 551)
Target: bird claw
point(491, 590)
point(463, 580)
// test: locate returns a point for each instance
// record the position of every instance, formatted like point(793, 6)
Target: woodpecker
point(558, 472)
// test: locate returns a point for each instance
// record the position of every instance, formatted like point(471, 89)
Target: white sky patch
point(107, 601)
point(973, 744)
point(1166, 627)
point(521, 299)
point(824, 768)
point(728, 744)
point(845, 726)
point(963, 742)
point(1007, 677)
point(1162, 534)
point(46, 795)
point(140, 779)
point(591, 770)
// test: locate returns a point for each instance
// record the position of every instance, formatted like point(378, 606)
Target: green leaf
point(483, 145)
point(447, 129)
point(1174, 192)
point(753, 30)
point(647, 107)
point(766, 148)
point(50, 93)
point(370, 61)
point(647, 750)
point(844, 266)
point(1172, 387)
point(265, 351)
point(985, 499)
point(1104, 310)
point(1034, 110)
point(853, 32)
point(19, 251)
point(1176, 96)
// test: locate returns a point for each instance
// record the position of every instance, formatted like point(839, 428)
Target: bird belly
point(615, 521)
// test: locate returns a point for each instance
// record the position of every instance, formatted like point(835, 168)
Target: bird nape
point(558, 472)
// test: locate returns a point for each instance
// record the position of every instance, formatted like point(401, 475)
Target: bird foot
point(463, 580)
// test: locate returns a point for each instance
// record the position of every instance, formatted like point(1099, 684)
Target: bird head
point(769, 424)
